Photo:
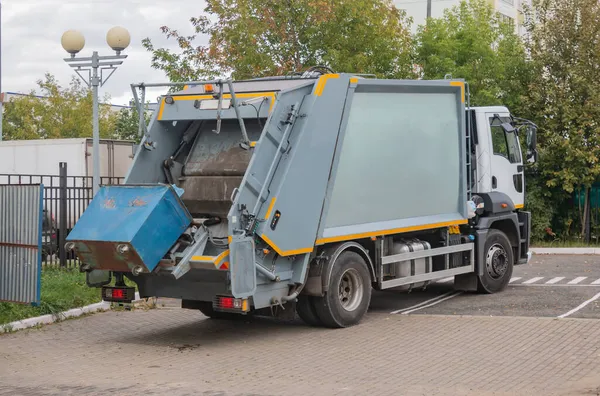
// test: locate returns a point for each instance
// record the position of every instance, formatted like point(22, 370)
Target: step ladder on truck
point(278, 195)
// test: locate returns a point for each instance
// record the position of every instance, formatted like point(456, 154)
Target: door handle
point(494, 182)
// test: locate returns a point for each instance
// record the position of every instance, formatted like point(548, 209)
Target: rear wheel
point(306, 310)
point(349, 292)
point(498, 263)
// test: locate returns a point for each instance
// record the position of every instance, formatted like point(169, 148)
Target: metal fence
point(20, 215)
point(65, 199)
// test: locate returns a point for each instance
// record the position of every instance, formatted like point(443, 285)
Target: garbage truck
point(304, 193)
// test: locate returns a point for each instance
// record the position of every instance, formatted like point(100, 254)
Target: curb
point(71, 313)
point(592, 251)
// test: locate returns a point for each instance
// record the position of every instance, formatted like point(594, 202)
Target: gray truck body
point(288, 174)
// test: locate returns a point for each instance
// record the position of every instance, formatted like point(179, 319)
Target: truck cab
point(500, 163)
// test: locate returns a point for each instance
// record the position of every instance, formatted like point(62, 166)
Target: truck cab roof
point(489, 109)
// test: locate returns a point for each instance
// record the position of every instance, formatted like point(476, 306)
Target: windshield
point(504, 144)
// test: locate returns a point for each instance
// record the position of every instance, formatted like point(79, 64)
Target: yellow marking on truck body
point(270, 208)
point(354, 80)
point(270, 95)
point(462, 89)
point(212, 259)
point(519, 206)
point(161, 109)
point(287, 252)
point(388, 232)
point(322, 81)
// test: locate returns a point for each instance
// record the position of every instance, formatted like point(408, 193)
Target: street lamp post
point(72, 41)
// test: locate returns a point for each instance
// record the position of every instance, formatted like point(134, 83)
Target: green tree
point(54, 112)
point(565, 49)
point(126, 125)
point(472, 42)
point(253, 38)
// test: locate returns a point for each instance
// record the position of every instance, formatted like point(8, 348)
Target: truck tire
point(306, 310)
point(349, 292)
point(498, 263)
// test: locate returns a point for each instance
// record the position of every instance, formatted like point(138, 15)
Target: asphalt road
point(549, 286)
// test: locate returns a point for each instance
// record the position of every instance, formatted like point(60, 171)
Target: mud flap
point(242, 267)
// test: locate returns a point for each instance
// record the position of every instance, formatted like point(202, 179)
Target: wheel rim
point(496, 261)
point(351, 290)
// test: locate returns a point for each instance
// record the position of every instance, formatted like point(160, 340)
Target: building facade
point(510, 10)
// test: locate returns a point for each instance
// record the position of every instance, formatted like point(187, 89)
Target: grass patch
point(564, 244)
point(62, 289)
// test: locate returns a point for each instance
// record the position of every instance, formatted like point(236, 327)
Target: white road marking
point(597, 296)
point(554, 285)
point(577, 280)
point(433, 303)
point(424, 302)
point(514, 279)
point(596, 282)
point(555, 280)
point(446, 280)
point(533, 280)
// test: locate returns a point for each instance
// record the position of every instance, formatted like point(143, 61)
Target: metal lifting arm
point(237, 113)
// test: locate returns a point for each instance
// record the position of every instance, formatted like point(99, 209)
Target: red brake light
point(118, 293)
point(227, 302)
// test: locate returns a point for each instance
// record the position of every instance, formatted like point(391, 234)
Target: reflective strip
point(388, 232)
point(287, 252)
point(322, 81)
point(216, 260)
point(462, 89)
point(270, 208)
point(225, 96)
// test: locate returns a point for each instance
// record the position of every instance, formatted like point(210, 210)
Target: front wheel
point(498, 263)
point(349, 292)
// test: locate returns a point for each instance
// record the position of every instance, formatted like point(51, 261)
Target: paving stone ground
point(170, 351)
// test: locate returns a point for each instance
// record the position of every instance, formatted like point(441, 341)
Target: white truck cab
point(499, 162)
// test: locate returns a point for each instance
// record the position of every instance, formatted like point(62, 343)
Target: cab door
point(507, 161)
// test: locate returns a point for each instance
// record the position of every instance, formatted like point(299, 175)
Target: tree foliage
point(126, 124)
point(564, 97)
point(253, 38)
point(60, 112)
point(472, 42)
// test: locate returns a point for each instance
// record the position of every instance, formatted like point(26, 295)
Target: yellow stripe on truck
point(287, 252)
point(322, 81)
point(270, 95)
point(388, 232)
point(462, 89)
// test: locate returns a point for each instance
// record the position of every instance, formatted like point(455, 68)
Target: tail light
point(118, 294)
point(225, 303)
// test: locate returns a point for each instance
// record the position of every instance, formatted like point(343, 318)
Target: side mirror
point(531, 139)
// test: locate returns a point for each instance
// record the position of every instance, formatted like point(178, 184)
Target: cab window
point(504, 144)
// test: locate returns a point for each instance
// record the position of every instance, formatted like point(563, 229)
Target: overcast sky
point(32, 29)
